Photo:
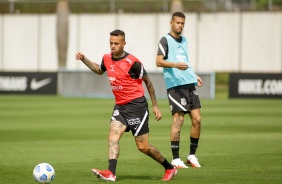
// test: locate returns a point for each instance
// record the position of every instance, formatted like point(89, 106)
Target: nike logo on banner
point(34, 85)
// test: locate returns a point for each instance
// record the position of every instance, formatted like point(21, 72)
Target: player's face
point(177, 25)
point(117, 44)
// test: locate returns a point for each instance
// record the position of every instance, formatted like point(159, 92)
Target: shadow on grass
point(137, 177)
point(132, 177)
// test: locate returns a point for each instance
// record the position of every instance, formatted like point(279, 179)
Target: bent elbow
point(158, 64)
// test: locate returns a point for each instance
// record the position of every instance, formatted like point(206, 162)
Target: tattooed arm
point(91, 65)
point(151, 91)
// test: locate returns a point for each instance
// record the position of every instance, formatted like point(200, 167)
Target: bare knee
point(196, 122)
point(142, 143)
point(143, 149)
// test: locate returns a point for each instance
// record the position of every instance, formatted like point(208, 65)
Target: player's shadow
point(136, 177)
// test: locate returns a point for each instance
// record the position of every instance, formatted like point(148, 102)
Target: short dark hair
point(117, 32)
point(178, 14)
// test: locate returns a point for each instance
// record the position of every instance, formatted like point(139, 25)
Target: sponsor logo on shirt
point(116, 87)
point(111, 79)
point(181, 58)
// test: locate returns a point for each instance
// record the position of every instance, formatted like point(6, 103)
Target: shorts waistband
point(190, 87)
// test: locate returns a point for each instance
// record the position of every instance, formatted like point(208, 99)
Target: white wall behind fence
point(237, 42)
point(262, 39)
point(218, 42)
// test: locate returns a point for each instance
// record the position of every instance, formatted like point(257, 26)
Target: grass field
point(241, 141)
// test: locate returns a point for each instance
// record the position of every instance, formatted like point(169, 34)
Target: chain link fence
point(136, 6)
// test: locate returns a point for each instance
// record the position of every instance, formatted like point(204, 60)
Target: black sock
point(167, 165)
point(112, 165)
point(175, 149)
point(193, 145)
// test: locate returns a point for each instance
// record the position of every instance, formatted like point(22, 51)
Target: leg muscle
point(116, 131)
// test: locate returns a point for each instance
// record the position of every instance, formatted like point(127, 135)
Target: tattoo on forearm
point(93, 66)
point(151, 90)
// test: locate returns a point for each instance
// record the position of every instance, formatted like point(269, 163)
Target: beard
point(178, 31)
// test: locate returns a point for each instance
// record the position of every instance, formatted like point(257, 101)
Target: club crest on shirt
point(183, 101)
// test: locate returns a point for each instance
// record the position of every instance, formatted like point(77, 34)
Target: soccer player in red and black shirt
point(126, 74)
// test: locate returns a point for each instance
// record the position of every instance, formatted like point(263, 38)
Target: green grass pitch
point(241, 141)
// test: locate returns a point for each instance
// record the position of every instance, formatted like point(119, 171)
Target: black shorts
point(183, 98)
point(134, 115)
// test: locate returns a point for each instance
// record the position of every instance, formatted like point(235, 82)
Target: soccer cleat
point(104, 175)
point(193, 160)
point(169, 173)
point(179, 164)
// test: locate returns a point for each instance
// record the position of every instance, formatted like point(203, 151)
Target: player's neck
point(120, 55)
point(175, 35)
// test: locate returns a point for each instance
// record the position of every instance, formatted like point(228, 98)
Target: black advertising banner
point(28, 83)
point(253, 85)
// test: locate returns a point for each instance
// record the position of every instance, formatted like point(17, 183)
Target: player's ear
point(124, 43)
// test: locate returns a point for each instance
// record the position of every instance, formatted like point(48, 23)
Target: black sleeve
point(102, 66)
point(163, 47)
point(137, 70)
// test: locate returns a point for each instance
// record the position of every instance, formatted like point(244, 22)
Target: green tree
point(263, 4)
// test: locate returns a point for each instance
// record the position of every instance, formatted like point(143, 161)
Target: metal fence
point(136, 6)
